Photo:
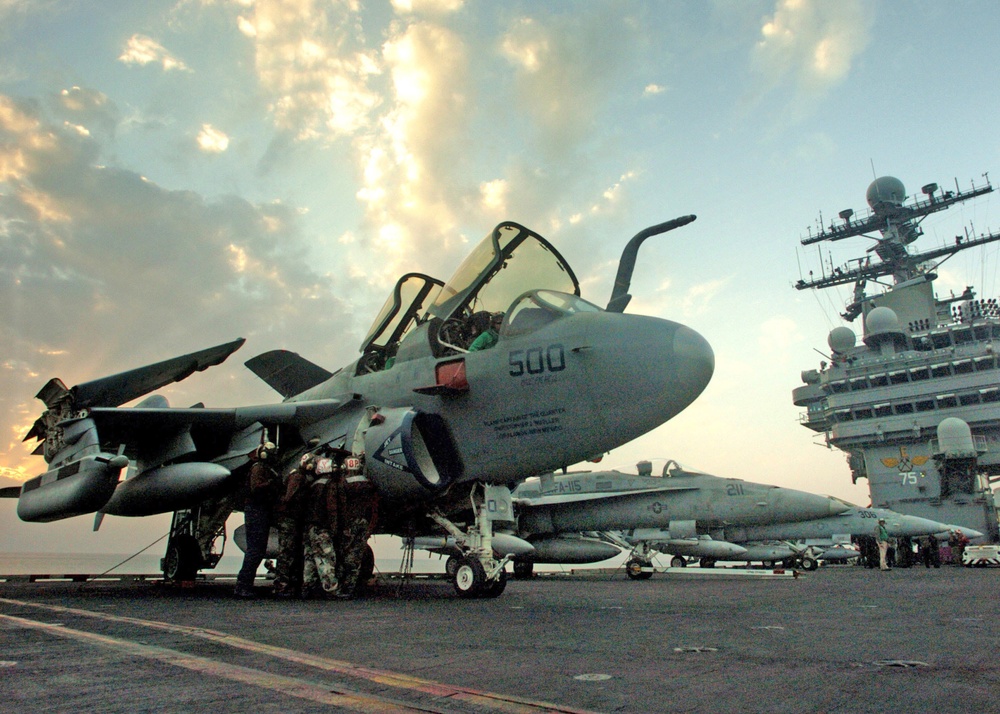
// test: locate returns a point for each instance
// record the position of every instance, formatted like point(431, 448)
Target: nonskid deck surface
point(839, 639)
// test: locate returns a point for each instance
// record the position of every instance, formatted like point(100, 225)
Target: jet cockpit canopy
point(507, 264)
point(410, 297)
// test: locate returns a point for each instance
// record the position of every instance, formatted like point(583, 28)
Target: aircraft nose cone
point(694, 363)
point(791, 505)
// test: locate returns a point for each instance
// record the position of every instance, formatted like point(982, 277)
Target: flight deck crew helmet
point(308, 462)
point(265, 451)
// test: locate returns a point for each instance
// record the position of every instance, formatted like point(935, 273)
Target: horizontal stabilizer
point(121, 388)
point(10, 492)
point(286, 372)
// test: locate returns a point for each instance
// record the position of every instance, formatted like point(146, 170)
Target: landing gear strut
point(185, 555)
point(477, 573)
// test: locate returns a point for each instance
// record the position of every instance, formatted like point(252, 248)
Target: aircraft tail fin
point(286, 372)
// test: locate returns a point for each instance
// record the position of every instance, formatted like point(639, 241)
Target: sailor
point(882, 537)
point(957, 540)
point(264, 485)
point(358, 510)
point(319, 572)
point(487, 327)
point(289, 516)
point(930, 552)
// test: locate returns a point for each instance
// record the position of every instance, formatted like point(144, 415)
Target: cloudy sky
point(174, 175)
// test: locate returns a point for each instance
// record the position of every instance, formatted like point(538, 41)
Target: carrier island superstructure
point(915, 405)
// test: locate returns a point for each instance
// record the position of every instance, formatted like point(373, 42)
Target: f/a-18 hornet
point(443, 430)
point(586, 517)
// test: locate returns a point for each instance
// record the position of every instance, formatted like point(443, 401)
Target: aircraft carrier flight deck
point(840, 639)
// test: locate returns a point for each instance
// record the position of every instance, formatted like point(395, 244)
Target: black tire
point(809, 564)
point(707, 562)
point(451, 565)
point(634, 570)
point(182, 559)
point(493, 588)
point(678, 562)
point(524, 570)
point(470, 577)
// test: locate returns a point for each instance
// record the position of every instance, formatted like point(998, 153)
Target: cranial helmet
point(308, 461)
point(265, 450)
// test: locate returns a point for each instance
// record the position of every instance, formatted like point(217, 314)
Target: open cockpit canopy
point(509, 262)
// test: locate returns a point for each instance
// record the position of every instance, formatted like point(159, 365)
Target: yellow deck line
point(489, 700)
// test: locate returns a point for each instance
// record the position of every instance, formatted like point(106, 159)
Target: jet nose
point(788, 504)
point(693, 363)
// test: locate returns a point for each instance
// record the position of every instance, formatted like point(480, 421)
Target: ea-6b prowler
point(444, 430)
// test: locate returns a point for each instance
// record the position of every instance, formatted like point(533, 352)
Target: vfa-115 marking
point(444, 429)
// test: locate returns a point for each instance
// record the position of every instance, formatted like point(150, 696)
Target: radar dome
point(841, 339)
point(955, 438)
point(881, 320)
point(886, 190)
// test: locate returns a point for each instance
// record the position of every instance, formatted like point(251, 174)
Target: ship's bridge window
point(962, 366)
point(863, 413)
point(967, 400)
point(879, 380)
point(919, 373)
point(925, 405)
point(940, 340)
point(904, 408)
point(996, 332)
point(982, 332)
point(984, 363)
point(989, 395)
point(940, 370)
point(897, 377)
point(838, 387)
point(842, 415)
point(858, 384)
point(962, 336)
point(883, 410)
point(946, 401)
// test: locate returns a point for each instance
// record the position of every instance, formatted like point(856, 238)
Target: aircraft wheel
point(523, 570)
point(470, 577)
point(182, 559)
point(809, 564)
point(678, 562)
point(634, 570)
point(493, 588)
point(451, 565)
point(707, 562)
point(768, 564)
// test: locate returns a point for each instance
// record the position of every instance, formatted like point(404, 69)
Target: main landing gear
point(185, 555)
point(477, 573)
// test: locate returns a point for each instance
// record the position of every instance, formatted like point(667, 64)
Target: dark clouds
point(102, 270)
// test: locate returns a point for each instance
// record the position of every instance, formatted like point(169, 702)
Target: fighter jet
point(800, 543)
point(444, 430)
point(565, 517)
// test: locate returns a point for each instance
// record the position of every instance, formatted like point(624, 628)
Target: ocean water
point(387, 560)
point(149, 564)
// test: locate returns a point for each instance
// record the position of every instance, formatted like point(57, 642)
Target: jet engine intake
point(410, 454)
